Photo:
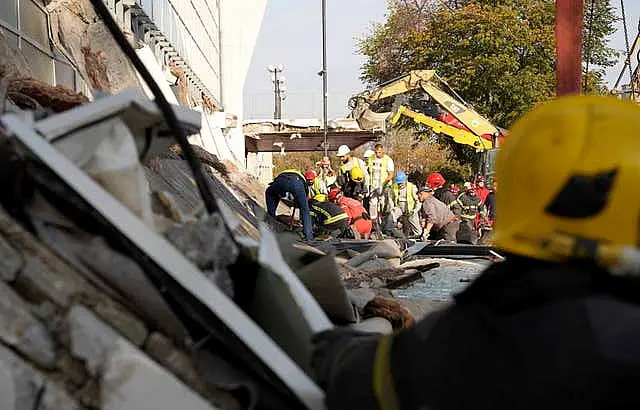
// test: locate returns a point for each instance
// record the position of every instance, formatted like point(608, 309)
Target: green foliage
point(498, 54)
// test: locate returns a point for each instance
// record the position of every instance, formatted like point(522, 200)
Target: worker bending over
point(439, 220)
point(554, 326)
point(290, 181)
point(352, 177)
point(359, 220)
point(329, 218)
point(406, 206)
point(470, 206)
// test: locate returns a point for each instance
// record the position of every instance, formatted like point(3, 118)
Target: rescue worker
point(290, 182)
point(352, 177)
point(313, 184)
point(439, 220)
point(405, 211)
point(326, 175)
point(454, 190)
point(436, 182)
point(381, 170)
point(490, 203)
point(470, 206)
point(481, 190)
point(328, 218)
point(554, 326)
point(359, 220)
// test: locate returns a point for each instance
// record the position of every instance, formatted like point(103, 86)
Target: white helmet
point(343, 150)
point(368, 153)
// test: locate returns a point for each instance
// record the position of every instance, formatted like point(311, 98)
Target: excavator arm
point(459, 120)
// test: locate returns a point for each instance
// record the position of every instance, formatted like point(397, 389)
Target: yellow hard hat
point(569, 175)
point(320, 197)
point(356, 174)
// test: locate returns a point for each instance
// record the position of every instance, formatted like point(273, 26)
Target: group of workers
point(553, 326)
point(368, 195)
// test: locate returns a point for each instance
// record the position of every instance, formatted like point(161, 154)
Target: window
point(9, 12)
point(25, 24)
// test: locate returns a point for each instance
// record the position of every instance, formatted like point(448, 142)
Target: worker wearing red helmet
point(359, 220)
point(436, 182)
point(313, 186)
point(481, 190)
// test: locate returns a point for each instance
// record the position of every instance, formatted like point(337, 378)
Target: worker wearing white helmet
point(353, 174)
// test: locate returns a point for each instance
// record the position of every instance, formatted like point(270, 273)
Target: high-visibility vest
point(411, 202)
point(383, 169)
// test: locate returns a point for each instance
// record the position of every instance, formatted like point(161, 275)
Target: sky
point(291, 34)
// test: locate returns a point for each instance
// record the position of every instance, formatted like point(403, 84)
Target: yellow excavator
point(434, 104)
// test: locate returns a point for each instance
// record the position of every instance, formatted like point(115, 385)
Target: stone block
point(21, 384)
point(121, 320)
point(90, 339)
point(10, 261)
point(39, 282)
point(20, 329)
point(132, 381)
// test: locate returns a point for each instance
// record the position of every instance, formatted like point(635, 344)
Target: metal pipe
point(324, 75)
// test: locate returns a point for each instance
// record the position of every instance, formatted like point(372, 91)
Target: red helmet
point(310, 175)
point(435, 180)
point(479, 179)
point(454, 189)
point(334, 194)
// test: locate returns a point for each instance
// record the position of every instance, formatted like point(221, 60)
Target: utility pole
point(279, 88)
point(324, 75)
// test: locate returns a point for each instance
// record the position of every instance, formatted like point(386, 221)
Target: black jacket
point(525, 335)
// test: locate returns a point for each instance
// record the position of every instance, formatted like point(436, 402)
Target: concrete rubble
point(82, 323)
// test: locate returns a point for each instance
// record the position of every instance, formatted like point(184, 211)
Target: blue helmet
point(401, 177)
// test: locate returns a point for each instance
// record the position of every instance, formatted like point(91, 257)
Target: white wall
point(240, 24)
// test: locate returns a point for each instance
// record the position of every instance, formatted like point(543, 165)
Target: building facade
point(198, 50)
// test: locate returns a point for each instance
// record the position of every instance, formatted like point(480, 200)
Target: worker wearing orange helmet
point(554, 325)
point(359, 220)
point(313, 184)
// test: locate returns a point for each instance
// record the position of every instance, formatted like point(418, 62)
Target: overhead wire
point(626, 39)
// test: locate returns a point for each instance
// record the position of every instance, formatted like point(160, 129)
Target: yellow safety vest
point(411, 202)
point(343, 167)
point(383, 168)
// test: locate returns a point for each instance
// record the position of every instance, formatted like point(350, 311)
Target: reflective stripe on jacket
point(471, 205)
point(327, 212)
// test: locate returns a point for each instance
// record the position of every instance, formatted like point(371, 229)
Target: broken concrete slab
point(20, 385)
point(10, 261)
point(132, 381)
point(21, 330)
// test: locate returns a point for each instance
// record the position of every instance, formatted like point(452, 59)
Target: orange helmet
point(435, 180)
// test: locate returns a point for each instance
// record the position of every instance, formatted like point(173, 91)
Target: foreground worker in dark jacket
point(555, 326)
point(329, 218)
point(292, 183)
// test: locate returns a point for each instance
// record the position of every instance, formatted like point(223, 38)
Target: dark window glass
point(65, 75)
point(40, 63)
point(33, 23)
point(9, 12)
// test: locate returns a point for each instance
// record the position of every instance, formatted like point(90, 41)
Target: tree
point(498, 54)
